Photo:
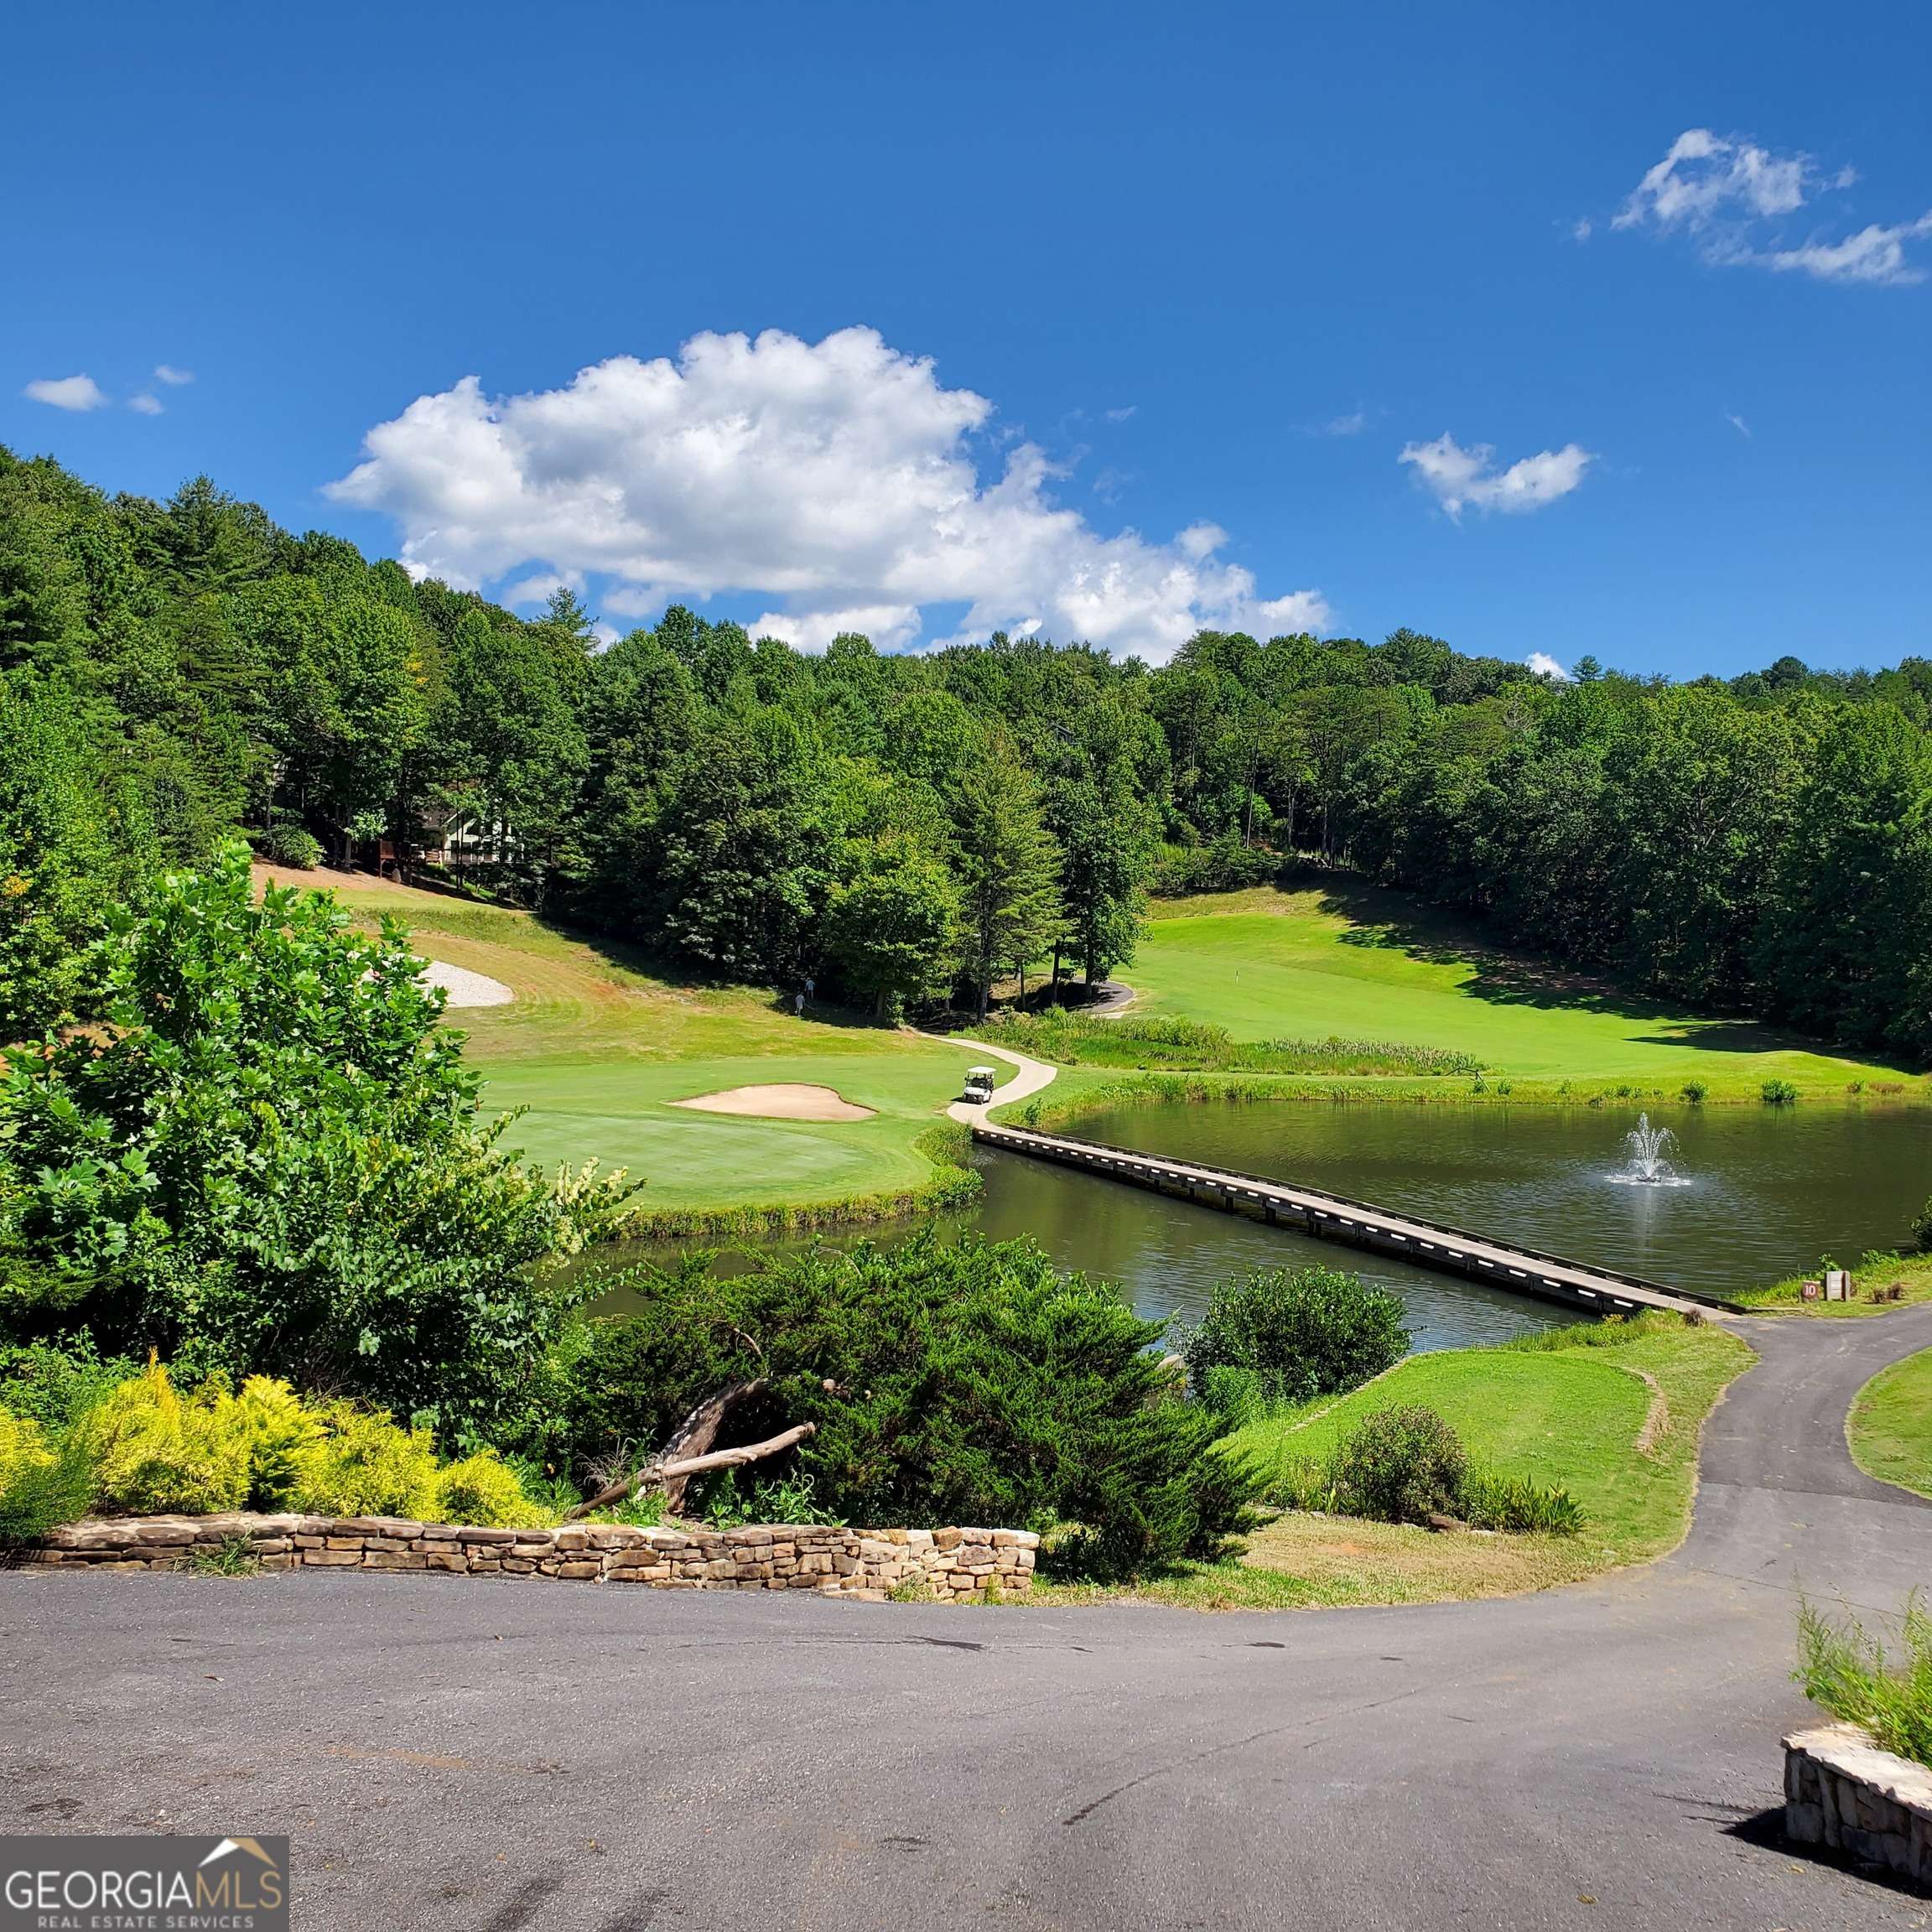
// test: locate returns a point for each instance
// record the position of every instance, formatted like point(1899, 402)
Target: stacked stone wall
point(1842, 1791)
point(952, 1565)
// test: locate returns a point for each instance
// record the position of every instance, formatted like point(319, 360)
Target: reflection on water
point(1772, 1189)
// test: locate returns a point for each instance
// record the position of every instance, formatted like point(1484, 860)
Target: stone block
point(160, 1530)
point(280, 1562)
point(476, 1534)
point(446, 1559)
point(948, 1538)
point(403, 1528)
point(391, 1560)
point(582, 1567)
point(332, 1559)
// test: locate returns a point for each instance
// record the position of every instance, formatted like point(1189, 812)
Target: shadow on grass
point(1380, 918)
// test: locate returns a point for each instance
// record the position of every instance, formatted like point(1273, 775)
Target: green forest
point(906, 829)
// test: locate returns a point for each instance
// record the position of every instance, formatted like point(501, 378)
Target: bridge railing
point(1023, 1134)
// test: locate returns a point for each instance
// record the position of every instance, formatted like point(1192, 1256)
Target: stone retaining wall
point(1841, 1790)
point(960, 1566)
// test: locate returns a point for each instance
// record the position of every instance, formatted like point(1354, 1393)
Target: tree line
point(903, 828)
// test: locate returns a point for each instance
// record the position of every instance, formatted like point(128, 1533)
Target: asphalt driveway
point(454, 1752)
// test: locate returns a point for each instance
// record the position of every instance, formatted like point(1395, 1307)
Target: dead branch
point(692, 1438)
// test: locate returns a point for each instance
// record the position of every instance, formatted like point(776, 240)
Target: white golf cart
point(979, 1086)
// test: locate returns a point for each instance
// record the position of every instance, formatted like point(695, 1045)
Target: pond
point(1763, 1193)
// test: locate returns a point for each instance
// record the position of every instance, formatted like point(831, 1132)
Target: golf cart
point(979, 1086)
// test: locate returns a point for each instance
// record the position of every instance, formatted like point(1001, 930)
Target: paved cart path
point(494, 1755)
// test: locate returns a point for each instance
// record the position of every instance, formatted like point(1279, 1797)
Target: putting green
point(600, 1040)
point(1368, 964)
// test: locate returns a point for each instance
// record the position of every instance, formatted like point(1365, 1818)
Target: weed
point(233, 1557)
point(1845, 1669)
point(1779, 1093)
point(1694, 1091)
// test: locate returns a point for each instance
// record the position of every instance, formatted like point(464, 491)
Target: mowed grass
point(1570, 1411)
point(1369, 964)
point(599, 1041)
point(1890, 1426)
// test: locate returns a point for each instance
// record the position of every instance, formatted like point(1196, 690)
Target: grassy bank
point(1890, 1426)
point(1878, 1282)
point(1612, 1413)
point(1363, 963)
point(600, 1040)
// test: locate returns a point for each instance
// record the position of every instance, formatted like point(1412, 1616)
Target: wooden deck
point(1336, 1217)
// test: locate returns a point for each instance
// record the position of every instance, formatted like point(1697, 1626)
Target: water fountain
point(1646, 1166)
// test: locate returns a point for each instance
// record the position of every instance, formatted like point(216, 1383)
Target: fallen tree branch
point(732, 1458)
point(688, 1453)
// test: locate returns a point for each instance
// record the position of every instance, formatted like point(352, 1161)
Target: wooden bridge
point(1336, 1217)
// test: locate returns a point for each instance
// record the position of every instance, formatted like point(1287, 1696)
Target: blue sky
point(1107, 319)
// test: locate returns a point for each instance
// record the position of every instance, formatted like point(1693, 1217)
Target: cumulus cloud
point(74, 393)
point(1735, 198)
point(1545, 666)
point(1460, 479)
point(837, 479)
point(144, 404)
point(168, 373)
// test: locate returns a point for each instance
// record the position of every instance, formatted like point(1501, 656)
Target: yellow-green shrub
point(152, 1453)
point(365, 1464)
point(283, 1438)
point(479, 1489)
point(22, 1448)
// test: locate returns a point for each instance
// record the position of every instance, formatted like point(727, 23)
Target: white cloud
point(1738, 423)
point(1735, 198)
point(75, 392)
point(145, 404)
point(1460, 479)
point(1873, 254)
point(1353, 424)
point(1122, 415)
point(1583, 229)
point(168, 373)
point(837, 478)
point(1545, 666)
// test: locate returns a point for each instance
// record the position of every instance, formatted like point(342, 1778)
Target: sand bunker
point(465, 988)
point(786, 1101)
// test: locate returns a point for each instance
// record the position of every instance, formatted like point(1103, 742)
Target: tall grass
point(1076, 1039)
point(1845, 1669)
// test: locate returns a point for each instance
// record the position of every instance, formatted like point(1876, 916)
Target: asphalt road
point(454, 1752)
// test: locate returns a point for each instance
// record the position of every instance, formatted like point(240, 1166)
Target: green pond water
point(1762, 1192)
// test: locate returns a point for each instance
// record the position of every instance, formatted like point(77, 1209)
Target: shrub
point(1779, 1092)
point(282, 1437)
point(1298, 1333)
point(292, 845)
point(480, 1489)
point(152, 1454)
point(1517, 1504)
point(1847, 1670)
point(1400, 1466)
point(41, 1484)
point(22, 1448)
point(1694, 1092)
point(274, 1162)
point(968, 1383)
point(1228, 866)
point(367, 1465)
point(54, 1383)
